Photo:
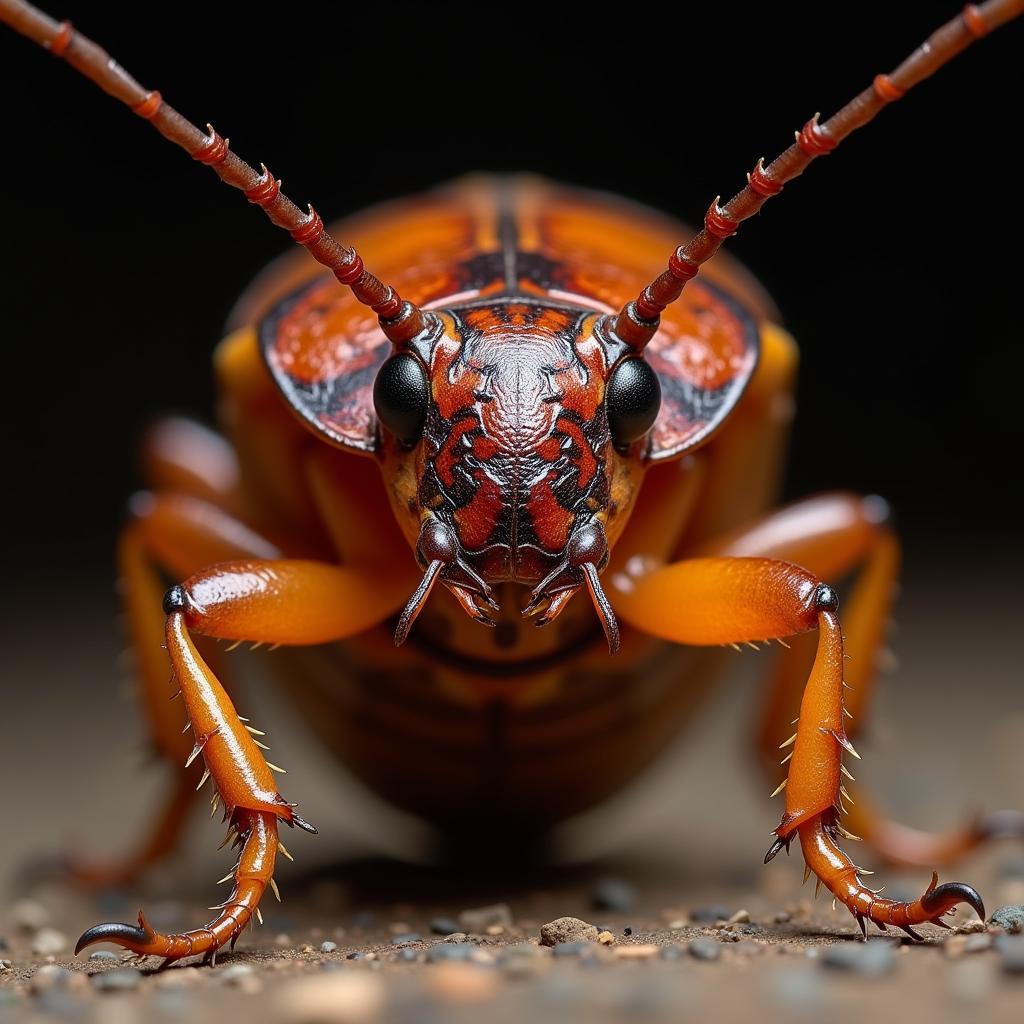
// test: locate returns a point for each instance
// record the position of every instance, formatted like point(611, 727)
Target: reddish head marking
point(516, 467)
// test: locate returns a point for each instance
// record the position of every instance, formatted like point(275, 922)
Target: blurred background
point(896, 263)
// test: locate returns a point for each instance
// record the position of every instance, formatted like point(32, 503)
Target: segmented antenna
point(637, 321)
point(400, 320)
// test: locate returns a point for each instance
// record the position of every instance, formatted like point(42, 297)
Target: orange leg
point(832, 535)
point(173, 534)
point(284, 601)
point(724, 600)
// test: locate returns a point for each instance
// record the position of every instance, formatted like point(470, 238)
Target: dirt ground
point(666, 864)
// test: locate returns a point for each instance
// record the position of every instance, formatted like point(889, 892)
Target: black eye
point(633, 397)
point(400, 395)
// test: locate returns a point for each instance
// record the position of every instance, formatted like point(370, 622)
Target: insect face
point(527, 462)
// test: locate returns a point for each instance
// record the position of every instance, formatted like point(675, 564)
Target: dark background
point(896, 262)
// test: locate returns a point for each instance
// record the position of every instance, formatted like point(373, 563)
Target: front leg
point(277, 602)
point(705, 601)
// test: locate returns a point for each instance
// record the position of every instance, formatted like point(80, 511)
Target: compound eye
point(400, 395)
point(633, 398)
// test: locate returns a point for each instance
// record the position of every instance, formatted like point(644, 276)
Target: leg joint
point(176, 599)
point(825, 598)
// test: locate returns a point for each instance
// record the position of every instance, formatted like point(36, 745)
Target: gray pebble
point(235, 971)
point(873, 958)
point(49, 942)
point(573, 949)
point(405, 938)
point(704, 948)
point(103, 954)
point(614, 894)
point(449, 951)
point(567, 929)
point(444, 925)
point(709, 915)
point(123, 979)
point(1010, 919)
point(479, 919)
point(328, 946)
point(49, 976)
point(1011, 953)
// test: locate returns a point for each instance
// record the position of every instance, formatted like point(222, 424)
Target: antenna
point(637, 321)
point(400, 319)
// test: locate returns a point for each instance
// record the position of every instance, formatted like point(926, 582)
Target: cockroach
point(531, 413)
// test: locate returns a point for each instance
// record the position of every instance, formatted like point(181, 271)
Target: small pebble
point(49, 942)
point(627, 931)
point(123, 979)
point(613, 894)
point(971, 926)
point(704, 948)
point(338, 997)
point(572, 948)
point(29, 915)
point(48, 976)
point(782, 917)
point(566, 929)
point(1010, 919)
point(478, 919)
point(444, 925)
point(709, 915)
point(328, 946)
point(442, 951)
point(103, 954)
point(5, 965)
point(1011, 953)
point(405, 938)
point(872, 958)
point(605, 938)
point(282, 941)
point(638, 951)
point(233, 972)
point(740, 917)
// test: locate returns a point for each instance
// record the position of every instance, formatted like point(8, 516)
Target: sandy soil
point(70, 769)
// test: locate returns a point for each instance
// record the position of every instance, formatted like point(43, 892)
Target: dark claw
point(941, 897)
point(916, 936)
point(774, 849)
point(113, 932)
point(303, 824)
point(863, 925)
